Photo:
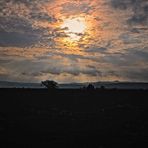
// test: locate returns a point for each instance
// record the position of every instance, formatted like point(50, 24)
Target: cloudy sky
point(40, 40)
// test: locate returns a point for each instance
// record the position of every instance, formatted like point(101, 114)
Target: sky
point(74, 41)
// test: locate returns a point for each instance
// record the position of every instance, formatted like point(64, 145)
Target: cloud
point(27, 2)
point(74, 8)
point(15, 39)
point(72, 71)
point(18, 32)
point(96, 49)
point(137, 75)
point(42, 16)
point(12, 23)
point(129, 38)
point(34, 47)
point(3, 71)
point(119, 4)
point(20, 24)
point(138, 7)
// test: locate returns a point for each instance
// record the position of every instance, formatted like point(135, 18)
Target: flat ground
point(73, 118)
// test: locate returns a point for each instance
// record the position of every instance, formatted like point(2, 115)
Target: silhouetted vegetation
point(90, 87)
point(102, 87)
point(50, 84)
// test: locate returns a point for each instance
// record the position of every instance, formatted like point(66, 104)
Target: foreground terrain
point(73, 118)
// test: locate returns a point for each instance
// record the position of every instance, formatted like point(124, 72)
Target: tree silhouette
point(90, 87)
point(50, 84)
point(102, 87)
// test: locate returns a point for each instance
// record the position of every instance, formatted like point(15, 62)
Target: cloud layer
point(34, 47)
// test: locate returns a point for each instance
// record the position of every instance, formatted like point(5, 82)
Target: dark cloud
point(26, 2)
point(42, 16)
point(120, 4)
point(139, 8)
point(76, 57)
point(137, 74)
point(59, 71)
point(129, 38)
point(138, 19)
point(16, 23)
point(140, 55)
point(33, 74)
point(96, 49)
point(76, 8)
point(92, 72)
point(16, 39)
point(4, 60)
point(19, 32)
point(21, 29)
point(71, 71)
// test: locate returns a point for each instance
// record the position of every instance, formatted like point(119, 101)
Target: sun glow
point(74, 28)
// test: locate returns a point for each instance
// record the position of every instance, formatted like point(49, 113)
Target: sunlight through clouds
point(108, 35)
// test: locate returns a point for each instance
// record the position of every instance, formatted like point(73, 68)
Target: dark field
point(73, 118)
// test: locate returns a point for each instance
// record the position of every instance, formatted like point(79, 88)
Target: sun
point(75, 25)
point(74, 28)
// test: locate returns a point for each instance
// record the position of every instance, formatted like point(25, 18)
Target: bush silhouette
point(90, 87)
point(50, 84)
point(102, 87)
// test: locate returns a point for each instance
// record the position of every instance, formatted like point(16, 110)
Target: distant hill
point(7, 84)
point(119, 85)
point(122, 85)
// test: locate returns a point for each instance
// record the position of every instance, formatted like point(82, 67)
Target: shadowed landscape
point(99, 118)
